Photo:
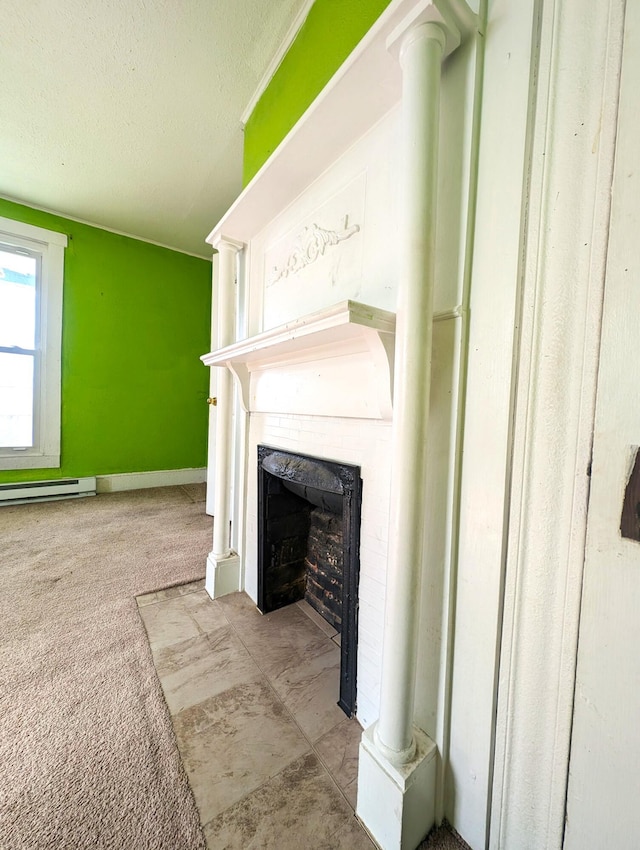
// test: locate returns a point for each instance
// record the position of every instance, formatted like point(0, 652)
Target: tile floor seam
point(291, 715)
point(331, 776)
point(271, 687)
point(258, 788)
point(169, 599)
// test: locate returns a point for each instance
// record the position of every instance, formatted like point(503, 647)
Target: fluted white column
point(421, 58)
point(222, 565)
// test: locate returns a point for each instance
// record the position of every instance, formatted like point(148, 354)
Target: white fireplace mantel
point(364, 89)
point(335, 362)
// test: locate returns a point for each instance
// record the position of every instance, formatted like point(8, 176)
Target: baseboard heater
point(46, 491)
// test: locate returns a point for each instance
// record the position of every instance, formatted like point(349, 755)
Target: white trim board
point(566, 237)
point(141, 480)
point(67, 217)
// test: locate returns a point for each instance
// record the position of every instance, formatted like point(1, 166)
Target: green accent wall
point(329, 34)
point(136, 318)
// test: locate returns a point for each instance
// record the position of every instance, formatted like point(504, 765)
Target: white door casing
point(566, 217)
point(213, 374)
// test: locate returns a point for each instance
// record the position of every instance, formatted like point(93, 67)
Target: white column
point(421, 57)
point(396, 797)
point(223, 566)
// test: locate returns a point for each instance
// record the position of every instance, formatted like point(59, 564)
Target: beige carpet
point(87, 752)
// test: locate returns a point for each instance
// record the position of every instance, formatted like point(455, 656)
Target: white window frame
point(50, 245)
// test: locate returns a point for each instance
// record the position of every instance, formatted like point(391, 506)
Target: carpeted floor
point(87, 753)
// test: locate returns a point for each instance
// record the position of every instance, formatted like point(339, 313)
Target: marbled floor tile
point(298, 808)
point(240, 608)
point(309, 686)
point(232, 743)
point(276, 639)
point(207, 613)
point(168, 622)
point(201, 667)
point(339, 751)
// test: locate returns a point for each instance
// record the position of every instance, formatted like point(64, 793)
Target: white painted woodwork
point(399, 798)
point(494, 257)
point(228, 251)
point(604, 777)
point(336, 362)
point(213, 386)
point(116, 482)
point(421, 54)
point(568, 197)
point(398, 815)
point(50, 245)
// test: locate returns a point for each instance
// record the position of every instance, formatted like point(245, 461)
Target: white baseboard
point(141, 480)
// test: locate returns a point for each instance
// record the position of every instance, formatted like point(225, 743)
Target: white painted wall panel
point(486, 450)
point(604, 782)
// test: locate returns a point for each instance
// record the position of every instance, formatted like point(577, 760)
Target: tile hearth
point(271, 759)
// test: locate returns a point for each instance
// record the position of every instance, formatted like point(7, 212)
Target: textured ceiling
point(126, 113)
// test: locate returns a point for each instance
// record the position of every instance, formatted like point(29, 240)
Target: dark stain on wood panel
point(630, 520)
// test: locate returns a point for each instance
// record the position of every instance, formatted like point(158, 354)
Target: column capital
point(437, 12)
point(222, 241)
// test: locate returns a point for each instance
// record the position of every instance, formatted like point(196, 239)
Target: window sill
point(29, 461)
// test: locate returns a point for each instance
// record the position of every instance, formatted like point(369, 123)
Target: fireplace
point(309, 545)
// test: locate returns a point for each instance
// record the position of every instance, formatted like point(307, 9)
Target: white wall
point(494, 304)
point(604, 783)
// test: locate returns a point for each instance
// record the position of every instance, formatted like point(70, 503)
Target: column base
point(223, 575)
point(396, 803)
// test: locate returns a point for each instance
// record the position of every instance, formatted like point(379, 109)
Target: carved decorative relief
point(309, 246)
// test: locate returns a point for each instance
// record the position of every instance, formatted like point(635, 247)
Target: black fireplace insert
point(309, 545)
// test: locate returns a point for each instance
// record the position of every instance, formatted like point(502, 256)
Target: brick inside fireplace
point(309, 531)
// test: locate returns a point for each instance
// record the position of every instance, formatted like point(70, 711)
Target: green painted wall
point(331, 31)
point(136, 318)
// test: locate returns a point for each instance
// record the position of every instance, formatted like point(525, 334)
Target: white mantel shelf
point(335, 362)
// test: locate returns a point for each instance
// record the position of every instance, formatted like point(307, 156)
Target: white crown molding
point(222, 239)
point(272, 67)
point(77, 220)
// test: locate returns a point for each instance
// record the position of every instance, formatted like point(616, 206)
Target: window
point(31, 275)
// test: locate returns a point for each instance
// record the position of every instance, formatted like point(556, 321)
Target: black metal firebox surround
point(289, 485)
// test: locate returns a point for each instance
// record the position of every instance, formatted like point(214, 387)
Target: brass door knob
point(213, 401)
